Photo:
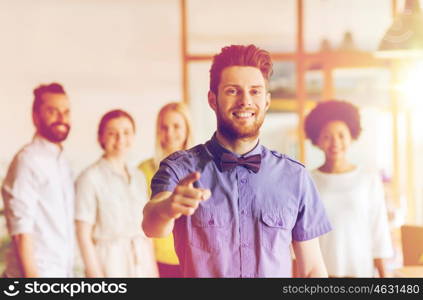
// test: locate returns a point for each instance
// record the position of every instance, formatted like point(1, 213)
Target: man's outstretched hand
point(186, 198)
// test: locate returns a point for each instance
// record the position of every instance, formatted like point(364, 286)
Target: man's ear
point(268, 99)
point(35, 119)
point(212, 100)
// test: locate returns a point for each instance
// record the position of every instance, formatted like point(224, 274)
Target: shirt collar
point(216, 149)
point(50, 147)
point(107, 165)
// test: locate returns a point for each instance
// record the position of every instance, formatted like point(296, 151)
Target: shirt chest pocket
point(276, 228)
point(210, 230)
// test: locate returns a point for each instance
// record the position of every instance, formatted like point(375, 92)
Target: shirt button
point(280, 223)
point(211, 222)
point(242, 212)
point(243, 180)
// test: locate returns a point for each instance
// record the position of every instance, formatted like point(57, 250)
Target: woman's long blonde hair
point(178, 107)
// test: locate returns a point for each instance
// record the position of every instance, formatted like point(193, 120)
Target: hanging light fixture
point(404, 38)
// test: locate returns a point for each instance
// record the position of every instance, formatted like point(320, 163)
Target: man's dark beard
point(231, 132)
point(48, 132)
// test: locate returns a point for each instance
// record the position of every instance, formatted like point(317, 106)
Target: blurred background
point(138, 55)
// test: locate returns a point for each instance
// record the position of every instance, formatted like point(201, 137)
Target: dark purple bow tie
point(229, 161)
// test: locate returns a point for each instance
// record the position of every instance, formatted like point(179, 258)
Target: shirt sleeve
point(165, 179)
point(21, 195)
point(85, 199)
point(382, 246)
point(312, 220)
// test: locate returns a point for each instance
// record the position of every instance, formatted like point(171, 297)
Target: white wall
point(107, 54)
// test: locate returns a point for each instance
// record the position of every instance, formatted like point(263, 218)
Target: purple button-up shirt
point(246, 227)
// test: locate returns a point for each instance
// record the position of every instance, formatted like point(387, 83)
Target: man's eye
point(255, 92)
point(231, 91)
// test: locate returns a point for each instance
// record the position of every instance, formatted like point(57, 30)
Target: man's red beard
point(233, 131)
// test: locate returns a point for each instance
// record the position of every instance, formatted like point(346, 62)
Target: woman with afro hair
point(353, 195)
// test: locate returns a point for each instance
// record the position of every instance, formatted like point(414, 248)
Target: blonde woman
point(110, 198)
point(173, 133)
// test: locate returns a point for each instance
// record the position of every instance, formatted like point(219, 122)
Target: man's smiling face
point(241, 102)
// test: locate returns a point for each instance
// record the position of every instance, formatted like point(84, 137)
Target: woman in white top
point(353, 195)
point(110, 198)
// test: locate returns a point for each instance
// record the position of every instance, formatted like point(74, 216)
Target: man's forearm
point(309, 259)
point(155, 223)
point(24, 245)
point(318, 271)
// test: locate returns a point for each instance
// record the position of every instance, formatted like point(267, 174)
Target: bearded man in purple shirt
point(234, 206)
